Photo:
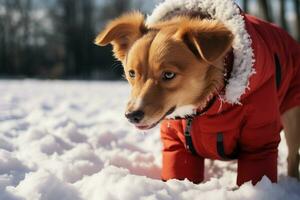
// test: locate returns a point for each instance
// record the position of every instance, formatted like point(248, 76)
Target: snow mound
point(69, 140)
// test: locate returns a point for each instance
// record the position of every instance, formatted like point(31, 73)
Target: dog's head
point(173, 66)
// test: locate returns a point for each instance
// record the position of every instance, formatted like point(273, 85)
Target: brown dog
point(175, 66)
point(164, 47)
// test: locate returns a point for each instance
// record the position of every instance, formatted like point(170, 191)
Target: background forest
point(53, 39)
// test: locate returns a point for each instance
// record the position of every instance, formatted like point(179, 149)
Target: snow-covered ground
point(69, 141)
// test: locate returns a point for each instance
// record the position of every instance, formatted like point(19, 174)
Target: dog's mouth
point(147, 127)
point(205, 106)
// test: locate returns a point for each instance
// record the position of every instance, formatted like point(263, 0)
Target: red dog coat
point(248, 119)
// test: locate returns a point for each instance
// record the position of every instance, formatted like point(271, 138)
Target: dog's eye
point(131, 73)
point(168, 76)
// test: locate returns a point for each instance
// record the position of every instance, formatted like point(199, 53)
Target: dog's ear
point(122, 33)
point(209, 39)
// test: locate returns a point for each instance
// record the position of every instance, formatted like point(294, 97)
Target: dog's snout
point(135, 116)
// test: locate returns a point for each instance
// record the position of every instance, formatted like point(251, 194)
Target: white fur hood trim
point(227, 12)
point(183, 111)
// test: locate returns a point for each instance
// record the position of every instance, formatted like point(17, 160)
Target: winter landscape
point(69, 140)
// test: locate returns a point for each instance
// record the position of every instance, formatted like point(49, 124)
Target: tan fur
point(184, 46)
point(122, 33)
point(211, 38)
point(290, 120)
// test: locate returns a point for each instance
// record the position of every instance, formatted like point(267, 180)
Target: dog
point(222, 83)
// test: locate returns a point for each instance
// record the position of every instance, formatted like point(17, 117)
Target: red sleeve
point(177, 162)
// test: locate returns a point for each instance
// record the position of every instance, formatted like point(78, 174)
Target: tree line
point(285, 13)
point(54, 39)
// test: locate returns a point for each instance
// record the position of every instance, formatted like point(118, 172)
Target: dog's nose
point(135, 116)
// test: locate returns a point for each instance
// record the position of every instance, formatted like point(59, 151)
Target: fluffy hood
point(227, 12)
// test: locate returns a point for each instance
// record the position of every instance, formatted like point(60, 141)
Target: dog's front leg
point(252, 167)
point(258, 154)
point(178, 163)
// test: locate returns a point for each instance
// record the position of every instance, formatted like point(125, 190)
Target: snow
point(70, 140)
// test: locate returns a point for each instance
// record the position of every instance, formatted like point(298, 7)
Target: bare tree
point(26, 53)
point(265, 10)
point(14, 33)
point(78, 34)
point(297, 11)
point(69, 29)
point(245, 5)
point(115, 8)
point(282, 14)
point(87, 32)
